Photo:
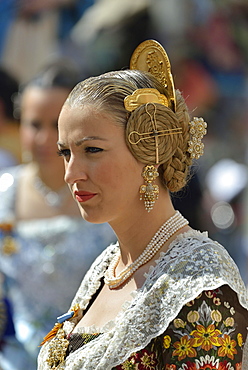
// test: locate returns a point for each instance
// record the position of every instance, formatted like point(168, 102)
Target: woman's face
point(102, 174)
point(40, 110)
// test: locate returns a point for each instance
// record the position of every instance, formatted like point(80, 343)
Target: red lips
point(83, 196)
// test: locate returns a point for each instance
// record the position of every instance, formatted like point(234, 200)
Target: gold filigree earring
point(149, 192)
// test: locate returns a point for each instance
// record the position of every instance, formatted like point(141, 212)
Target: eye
point(93, 149)
point(63, 152)
point(35, 125)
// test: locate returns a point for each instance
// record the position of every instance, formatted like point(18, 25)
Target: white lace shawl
point(193, 263)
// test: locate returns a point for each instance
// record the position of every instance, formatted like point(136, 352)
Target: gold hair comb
point(144, 96)
point(151, 57)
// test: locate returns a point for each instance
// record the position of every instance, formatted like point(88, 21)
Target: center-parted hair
point(107, 93)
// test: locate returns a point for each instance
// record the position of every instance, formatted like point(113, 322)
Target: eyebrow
point(81, 141)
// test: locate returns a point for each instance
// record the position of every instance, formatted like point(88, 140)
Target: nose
point(75, 171)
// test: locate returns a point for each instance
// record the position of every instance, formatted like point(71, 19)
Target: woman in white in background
point(45, 245)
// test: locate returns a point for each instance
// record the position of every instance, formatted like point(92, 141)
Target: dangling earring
point(149, 192)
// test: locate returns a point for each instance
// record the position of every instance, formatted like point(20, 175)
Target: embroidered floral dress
point(208, 333)
point(190, 314)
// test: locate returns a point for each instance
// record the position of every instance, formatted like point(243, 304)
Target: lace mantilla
point(192, 264)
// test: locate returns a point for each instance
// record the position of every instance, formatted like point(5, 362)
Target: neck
point(116, 277)
point(134, 235)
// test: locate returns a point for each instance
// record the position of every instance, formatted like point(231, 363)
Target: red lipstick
point(83, 196)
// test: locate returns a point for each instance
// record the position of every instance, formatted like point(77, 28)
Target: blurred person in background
point(10, 150)
point(10, 155)
point(40, 224)
point(33, 30)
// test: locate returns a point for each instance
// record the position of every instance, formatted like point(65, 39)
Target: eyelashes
point(63, 152)
point(92, 149)
point(89, 149)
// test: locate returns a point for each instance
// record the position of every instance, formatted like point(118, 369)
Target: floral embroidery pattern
point(204, 336)
point(142, 360)
point(184, 348)
point(167, 341)
point(228, 347)
point(213, 337)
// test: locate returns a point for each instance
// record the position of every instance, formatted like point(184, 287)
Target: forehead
point(39, 98)
point(86, 120)
point(44, 94)
point(86, 114)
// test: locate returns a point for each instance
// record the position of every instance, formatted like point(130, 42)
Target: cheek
point(108, 175)
point(53, 137)
point(27, 138)
point(122, 177)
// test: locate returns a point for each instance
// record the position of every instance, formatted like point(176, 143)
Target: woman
point(40, 224)
point(163, 297)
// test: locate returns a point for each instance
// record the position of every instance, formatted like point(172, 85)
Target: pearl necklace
point(169, 228)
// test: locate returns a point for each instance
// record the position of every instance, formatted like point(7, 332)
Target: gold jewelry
point(58, 343)
point(9, 244)
point(57, 349)
point(197, 130)
point(143, 96)
point(150, 191)
point(165, 232)
point(150, 56)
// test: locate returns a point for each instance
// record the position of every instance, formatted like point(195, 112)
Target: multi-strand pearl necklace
point(169, 228)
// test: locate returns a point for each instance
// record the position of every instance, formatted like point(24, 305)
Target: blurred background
point(207, 43)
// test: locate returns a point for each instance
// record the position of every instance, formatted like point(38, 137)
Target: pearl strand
point(169, 228)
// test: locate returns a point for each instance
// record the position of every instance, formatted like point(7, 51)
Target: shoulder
point(195, 263)
point(196, 247)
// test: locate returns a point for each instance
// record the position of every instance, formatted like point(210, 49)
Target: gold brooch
point(58, 343)
point(57, 349)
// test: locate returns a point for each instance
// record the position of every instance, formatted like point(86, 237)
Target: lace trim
point(95, 329)
point(193, 263)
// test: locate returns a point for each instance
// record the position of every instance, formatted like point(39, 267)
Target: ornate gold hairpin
point(151, 57)
point(149, 135)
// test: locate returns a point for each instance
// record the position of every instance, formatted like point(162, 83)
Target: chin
point(91, 217)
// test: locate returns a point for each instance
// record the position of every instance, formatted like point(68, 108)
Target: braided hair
point(107, 92)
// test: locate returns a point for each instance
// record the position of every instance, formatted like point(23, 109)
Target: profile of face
point(101, 172)
point(40, 110)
